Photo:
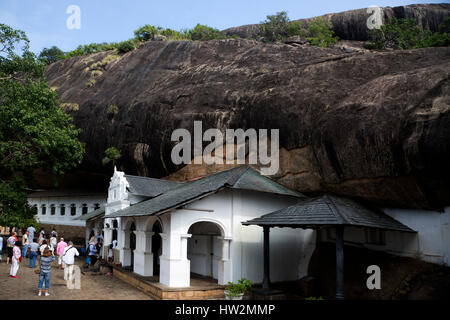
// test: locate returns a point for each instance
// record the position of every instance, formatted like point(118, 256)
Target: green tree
point(204, 33)
point(146, 32)
point(34, 131)
point(321, 33)
point(112, 154)
point(401, 34)
point(126, 46)
point(51, 55)
point(276, 27)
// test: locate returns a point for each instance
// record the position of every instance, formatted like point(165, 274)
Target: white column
point(125, 251)
point(175, 268)
point(143, 256)
point(107, 241)
point(225, 267)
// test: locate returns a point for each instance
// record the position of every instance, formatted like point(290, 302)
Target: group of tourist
point(45, 248)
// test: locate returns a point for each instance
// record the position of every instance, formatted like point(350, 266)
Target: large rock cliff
point(370, 125)
point(352, 25)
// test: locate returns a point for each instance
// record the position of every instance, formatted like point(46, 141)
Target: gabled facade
point(196, 228)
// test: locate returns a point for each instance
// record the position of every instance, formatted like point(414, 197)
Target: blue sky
point(44, 21)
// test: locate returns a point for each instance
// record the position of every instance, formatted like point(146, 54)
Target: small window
point(43, 209)
point(84, 209)
point(52, 209)
point(73, 209)
point(115, 225)
point(62, 209)
point(375, 236)
point(96, 206)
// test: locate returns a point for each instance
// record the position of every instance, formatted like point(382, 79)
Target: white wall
point(290, 249)
point(67, 219)
point(431, 243)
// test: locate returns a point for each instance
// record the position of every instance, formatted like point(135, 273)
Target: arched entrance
point(204, 249)
point(156, 246)
point(132, 243)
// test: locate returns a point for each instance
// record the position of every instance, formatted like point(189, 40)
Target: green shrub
point(111, 155)
point(275, 27)
point(203, 33)
point(407, 34)
point(126, 46)
point(146, 32)
point(242, 286)
point(295, 28)
point(51, 55)
point(112, 109)
point(444, 27)
point(320, 33)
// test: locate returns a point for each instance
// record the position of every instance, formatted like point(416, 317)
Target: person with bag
point(31, 230)
point(60, 251)
point(10, 245)
point(25, 244)
point(93, 252)
point(44, 246)
point(34, 248)
point(46, 271)
point(16, 259)
point(69, 260)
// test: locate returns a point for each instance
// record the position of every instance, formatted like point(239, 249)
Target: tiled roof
point(93, 214)
point(242, 177)
point(149, 187)
point(328, 211)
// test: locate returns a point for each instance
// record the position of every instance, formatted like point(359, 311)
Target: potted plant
point(235, 291)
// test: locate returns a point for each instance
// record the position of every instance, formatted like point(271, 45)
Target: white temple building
point(63, 207)
point(175, 229)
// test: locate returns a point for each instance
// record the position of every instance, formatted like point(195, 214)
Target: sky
point(44, 21)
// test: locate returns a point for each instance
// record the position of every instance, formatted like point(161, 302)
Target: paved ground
point(93, 287)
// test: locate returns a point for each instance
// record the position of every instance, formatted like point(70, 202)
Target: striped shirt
point(46, 264)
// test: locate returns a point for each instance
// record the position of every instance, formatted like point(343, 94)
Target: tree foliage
point(320, 33)
point(401, 34)
point(278, 27)
point(51, 55)
point(34, 131)
point(112, 154)
point(202, 33)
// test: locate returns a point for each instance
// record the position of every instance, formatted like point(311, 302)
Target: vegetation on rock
point(407, 34)
point(34, 131)
point(111, 156)
point(278, 27)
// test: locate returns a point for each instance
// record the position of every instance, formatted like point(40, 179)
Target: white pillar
point(143, 256)
point(125, 251)
point(107, 240)
point(175, 268)
point(225, 267)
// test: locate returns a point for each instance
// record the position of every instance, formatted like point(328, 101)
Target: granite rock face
point(352, 25)
point(370, 125)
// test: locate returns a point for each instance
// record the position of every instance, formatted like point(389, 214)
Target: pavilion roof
point(326, 211)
